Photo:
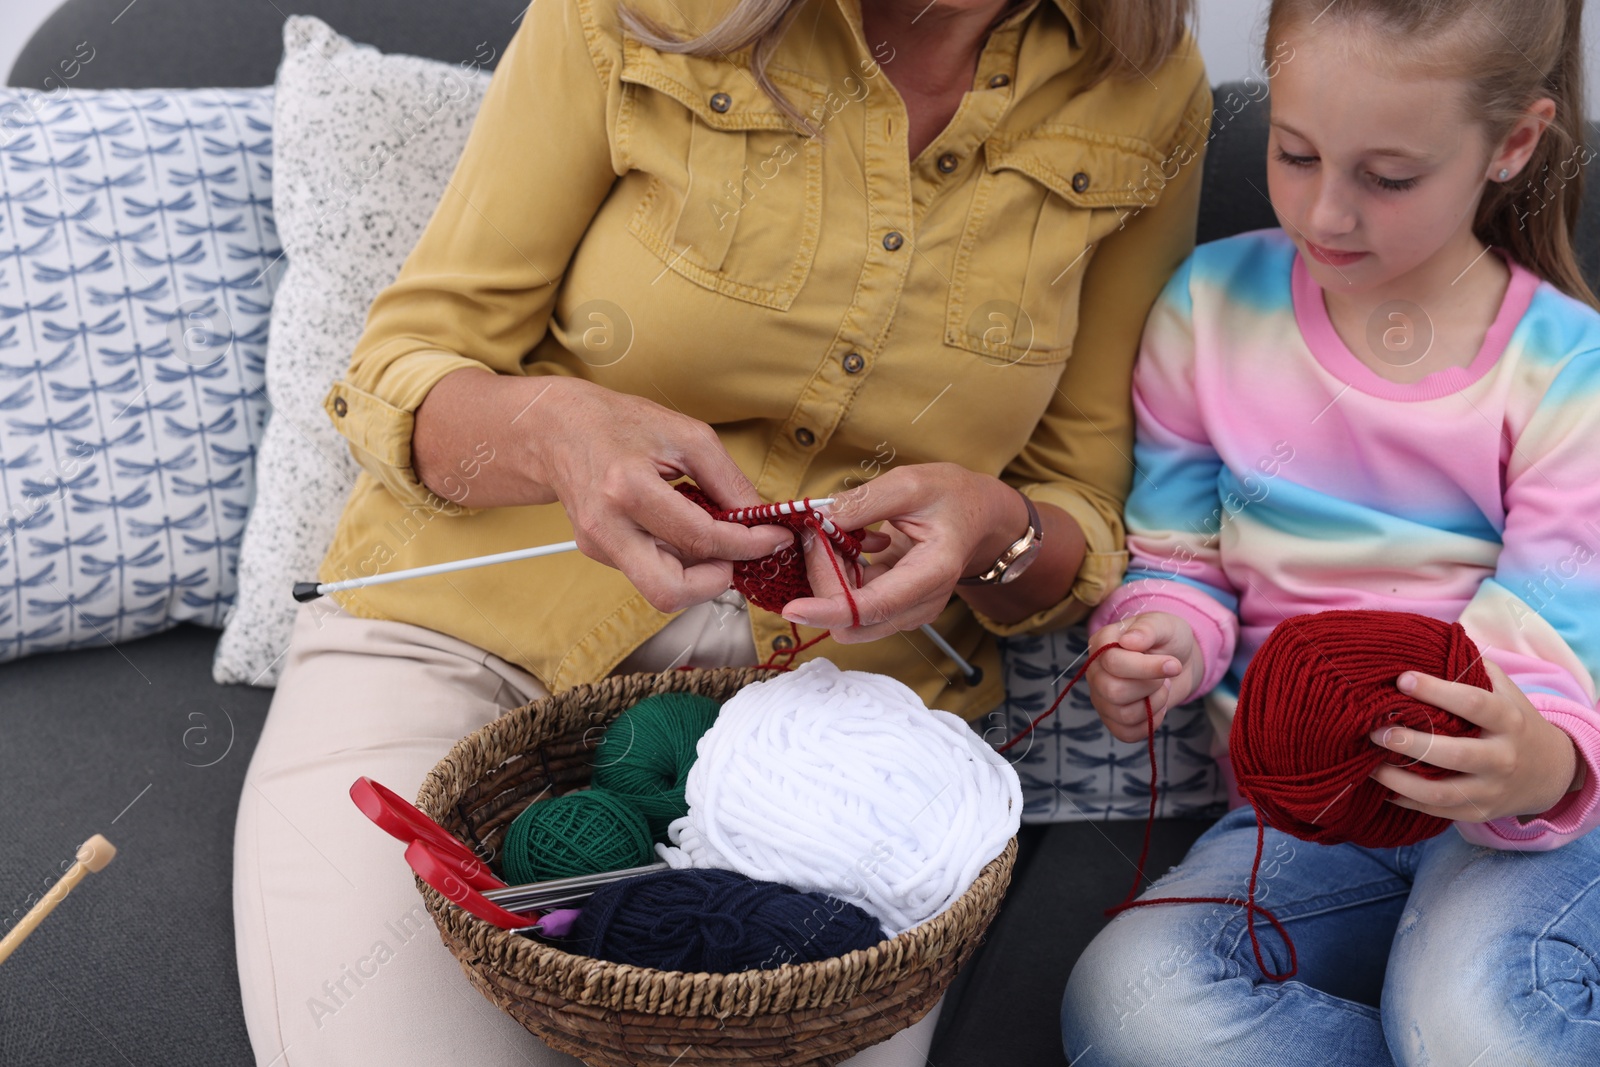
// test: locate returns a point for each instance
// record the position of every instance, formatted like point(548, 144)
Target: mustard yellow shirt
point(653, 223)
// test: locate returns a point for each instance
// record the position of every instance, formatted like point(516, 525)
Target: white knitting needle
point(305, 591)
point(308, 591)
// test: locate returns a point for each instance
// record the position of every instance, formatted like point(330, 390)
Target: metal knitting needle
point(973, 675)
point(308, 591)
point(542, 894)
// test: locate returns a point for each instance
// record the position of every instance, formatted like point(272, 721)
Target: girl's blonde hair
point(1511, 53)
point(1127, 37)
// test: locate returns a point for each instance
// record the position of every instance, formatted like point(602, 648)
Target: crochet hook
point(308, 591)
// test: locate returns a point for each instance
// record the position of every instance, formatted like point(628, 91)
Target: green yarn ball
point(645, 755)
point(586, 832)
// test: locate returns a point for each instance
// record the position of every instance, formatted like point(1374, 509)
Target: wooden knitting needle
point(308, 591)
point(93, 855)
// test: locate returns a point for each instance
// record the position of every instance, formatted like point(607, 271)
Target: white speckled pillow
point(137, 264)
point(366, 144)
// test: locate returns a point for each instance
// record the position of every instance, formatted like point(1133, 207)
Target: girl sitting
point(1393, 402)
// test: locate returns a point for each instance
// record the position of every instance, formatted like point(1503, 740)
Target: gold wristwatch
point(1015, 559)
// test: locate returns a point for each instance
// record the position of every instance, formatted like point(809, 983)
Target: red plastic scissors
point(446, 864)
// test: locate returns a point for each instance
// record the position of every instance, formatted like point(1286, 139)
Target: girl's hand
point(1159, 659)
point(941, 522)
point(607, 457)
point(1521, 764)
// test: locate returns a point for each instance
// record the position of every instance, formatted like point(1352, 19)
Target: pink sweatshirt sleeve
point(1538, 616)
point(1216, 629)
point(1573, 816)
point(1174, 512)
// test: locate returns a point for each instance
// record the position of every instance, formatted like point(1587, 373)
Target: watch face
point(1020, 564)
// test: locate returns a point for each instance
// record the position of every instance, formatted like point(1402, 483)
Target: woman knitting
point(1391, 403)
point(782, 247)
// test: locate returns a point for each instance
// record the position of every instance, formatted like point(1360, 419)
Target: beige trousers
point(339, 963)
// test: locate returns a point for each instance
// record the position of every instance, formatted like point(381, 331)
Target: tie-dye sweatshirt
point(1279, 475)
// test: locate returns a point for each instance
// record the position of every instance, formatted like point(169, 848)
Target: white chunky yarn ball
point(844, 782)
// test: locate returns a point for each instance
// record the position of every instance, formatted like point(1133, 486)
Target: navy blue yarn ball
point(716, 921)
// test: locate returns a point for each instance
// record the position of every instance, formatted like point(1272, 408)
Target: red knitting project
point(1313, 693)
point(772, 581)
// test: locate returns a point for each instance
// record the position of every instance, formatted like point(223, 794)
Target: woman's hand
point(607, 457)
point(1159, 660)
point(1521, 763)
point(941, 521)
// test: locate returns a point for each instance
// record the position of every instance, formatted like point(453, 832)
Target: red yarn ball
point(772, 581)
point(1316, 690)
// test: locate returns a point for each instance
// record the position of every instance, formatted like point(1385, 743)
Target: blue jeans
point(1442, 954)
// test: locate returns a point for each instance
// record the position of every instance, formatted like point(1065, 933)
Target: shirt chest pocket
point(1040, 207)
point(729, 193)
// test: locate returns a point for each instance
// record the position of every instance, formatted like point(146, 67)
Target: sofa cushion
point(203, 43)
point(136, 964)
point(1009, 997)
point(137, 264)
point(366, 146)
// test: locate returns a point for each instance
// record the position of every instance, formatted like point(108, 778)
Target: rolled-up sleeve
point(1080, 457)
point(478, 288)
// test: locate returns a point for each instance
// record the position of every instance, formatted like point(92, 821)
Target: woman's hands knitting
point(1520, 764)
point(1159, 659)
point(940, 521)
point(606, 456)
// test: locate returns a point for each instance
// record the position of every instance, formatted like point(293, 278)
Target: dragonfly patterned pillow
point(1072, 769)
point(137, 265)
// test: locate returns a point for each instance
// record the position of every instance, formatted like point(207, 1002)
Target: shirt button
point(999, 81)
point(1080, 182)
point(339, 406)
point(948, 163)
point(782, 643)
point(892, 240)
point(853, 363)
point(805, 437)
point(721, 102)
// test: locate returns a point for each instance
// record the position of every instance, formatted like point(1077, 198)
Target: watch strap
point(1026, 545)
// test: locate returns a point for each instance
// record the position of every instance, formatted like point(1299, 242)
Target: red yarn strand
point(1249, 903)
point(788, 654)
point(833, 558)
point(1150, 819)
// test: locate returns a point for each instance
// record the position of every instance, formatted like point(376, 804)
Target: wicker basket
point(618, 1016)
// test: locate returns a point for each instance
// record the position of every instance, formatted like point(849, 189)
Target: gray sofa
point(137, 742)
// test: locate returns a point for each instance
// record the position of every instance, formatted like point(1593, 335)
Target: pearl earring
point(1504, 174)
